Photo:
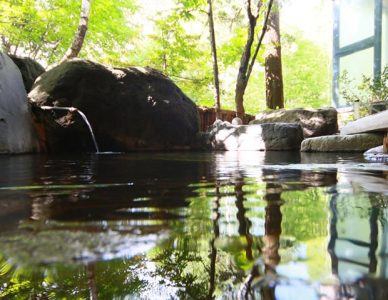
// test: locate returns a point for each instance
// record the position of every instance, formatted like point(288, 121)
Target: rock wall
point(16, 133)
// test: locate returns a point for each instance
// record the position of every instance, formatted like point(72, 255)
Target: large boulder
point(342, 143)
point(16, 132)
point(30, 70)
point(315, 122)
point(259, 137)
point(129, 109)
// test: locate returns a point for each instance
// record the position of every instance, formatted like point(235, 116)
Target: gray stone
point(129, 109)
point(342, 143)
point(16, 133)
point(30, 70)
point(315, 122)
point(375, 150)
point(237, 121)
point(259, 137)
point(373, 123)
point(376, 154)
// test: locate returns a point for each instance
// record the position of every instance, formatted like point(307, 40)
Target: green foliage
point(306, 73)
point(306, 215)
point(173, 40)
point(113, 279)
point(44, 30)
point(172, 48)
point(368, 91)
point(179, 52)
point(110, 31)
point(41, 29)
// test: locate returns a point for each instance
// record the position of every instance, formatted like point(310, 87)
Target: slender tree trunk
point(273, 61)
point(213, 253)
point(239, 99)
point(242, 79)
point(247, 60)
point(6, 44)
point(15, 51)
point(164, 60)
point(91, 275)
point(215, 61)
point(79, 37)
point(244, 223)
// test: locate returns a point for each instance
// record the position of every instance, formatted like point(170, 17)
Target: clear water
point(231, 225)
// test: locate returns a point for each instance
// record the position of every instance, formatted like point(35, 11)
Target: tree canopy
point(173, 37)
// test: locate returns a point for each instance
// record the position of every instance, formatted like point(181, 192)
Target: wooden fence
point(207, 116)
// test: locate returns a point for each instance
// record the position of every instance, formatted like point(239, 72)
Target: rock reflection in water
point(139, 190)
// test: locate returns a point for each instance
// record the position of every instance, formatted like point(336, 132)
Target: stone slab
point(373, 123)
point(342, 143)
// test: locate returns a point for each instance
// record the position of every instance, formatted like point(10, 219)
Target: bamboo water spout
point(83, 116)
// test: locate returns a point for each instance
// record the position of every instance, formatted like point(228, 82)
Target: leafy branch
point(370, 89)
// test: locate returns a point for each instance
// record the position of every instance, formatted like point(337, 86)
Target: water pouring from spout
point(83, 116)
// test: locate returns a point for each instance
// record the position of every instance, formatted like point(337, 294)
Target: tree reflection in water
point(270, 252)
point(216, 234)
point(223, 224)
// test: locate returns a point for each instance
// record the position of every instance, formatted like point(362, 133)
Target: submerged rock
point(376, 154)
point(29, 68)
point(342, 143)
point(16, 133)
point(260, 137)
point(315, 122)
point(128, 108)
point(375, 150)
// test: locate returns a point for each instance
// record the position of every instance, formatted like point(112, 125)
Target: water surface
point(228, 225)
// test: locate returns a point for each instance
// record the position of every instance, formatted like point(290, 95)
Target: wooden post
point(385, 143)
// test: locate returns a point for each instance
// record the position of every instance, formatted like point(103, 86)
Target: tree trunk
point(6, 44)
point(239, 98)
point(273, 62)
point(247, 60)
point(215, 61)
point(244, 223)
point(91, 275)
point(79, 37)
point(213, 254)
point(242, 81)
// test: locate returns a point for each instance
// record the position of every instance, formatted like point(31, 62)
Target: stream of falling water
point(83, 116)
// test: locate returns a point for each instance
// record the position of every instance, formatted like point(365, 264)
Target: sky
point(313, 18)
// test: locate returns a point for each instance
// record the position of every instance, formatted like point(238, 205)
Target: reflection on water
point(247, 225)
